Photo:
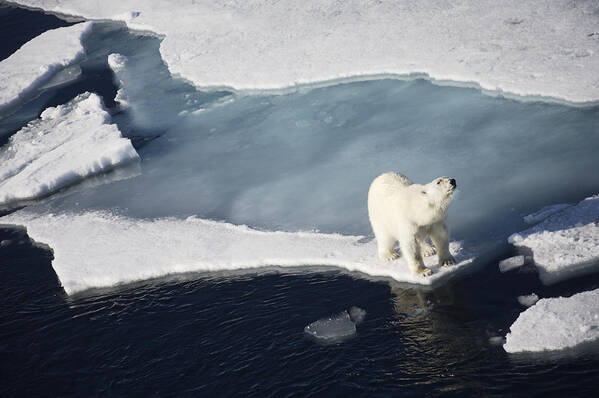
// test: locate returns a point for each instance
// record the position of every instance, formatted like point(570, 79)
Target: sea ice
point(38, 60)
point(545, 212)
point(566, 244)
point(528, 300)
point(511, 263)
point(99, 249)
point(337, 327)
point(304, 161)
point(556, 323)
point(65, 145)
point(262, 44)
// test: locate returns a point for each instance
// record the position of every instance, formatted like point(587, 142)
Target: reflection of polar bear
point(400, 210)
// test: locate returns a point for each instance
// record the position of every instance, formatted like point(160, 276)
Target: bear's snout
point(452, 182)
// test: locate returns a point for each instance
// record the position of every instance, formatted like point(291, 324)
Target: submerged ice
point(337, 327)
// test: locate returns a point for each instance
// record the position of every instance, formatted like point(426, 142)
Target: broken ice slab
point(511, 263)
point(528, 300)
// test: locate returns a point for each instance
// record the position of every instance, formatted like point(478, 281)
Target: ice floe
point(35, 63)
point(565, 244)
point(556, 323)
point(65, 145)
point(98, 249)
point(517, 47)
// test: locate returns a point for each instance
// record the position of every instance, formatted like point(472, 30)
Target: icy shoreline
point(517, 48)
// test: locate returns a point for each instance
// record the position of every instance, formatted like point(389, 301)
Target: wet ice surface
point(246, 159)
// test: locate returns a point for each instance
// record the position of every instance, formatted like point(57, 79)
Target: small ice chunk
point(333, 328)
point(566, 244)
point(116, 61)
point(357, 315)
point(496, 340)
point(5, 242)
point(511, 263)
point(528, 300)
point(556, 323)
point(545, 212)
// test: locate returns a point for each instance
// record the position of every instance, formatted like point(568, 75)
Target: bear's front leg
point(385, 245)
point(440, 237)
point(410, 249)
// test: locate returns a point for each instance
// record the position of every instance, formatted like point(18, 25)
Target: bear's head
point(439, 193)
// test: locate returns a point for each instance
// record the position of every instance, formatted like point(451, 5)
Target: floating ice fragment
point(511, 263)
point(566, 244)
point(556, 323)
point(496, 340)
point(332, 329)
point(528, 300)
point(116, 61)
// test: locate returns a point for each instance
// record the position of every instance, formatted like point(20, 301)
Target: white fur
point(400, 210)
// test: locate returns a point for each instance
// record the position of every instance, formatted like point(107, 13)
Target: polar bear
point(400, 210)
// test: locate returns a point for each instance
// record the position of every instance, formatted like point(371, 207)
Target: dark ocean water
point(243, 335)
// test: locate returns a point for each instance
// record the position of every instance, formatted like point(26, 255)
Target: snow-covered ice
point(556, 323)
point(528, 300)
point(38, 60)
point(65, 145)
point(516, 46)
point(511, 263)
point(337, 327)
point(566, 244)
point(99, 249)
